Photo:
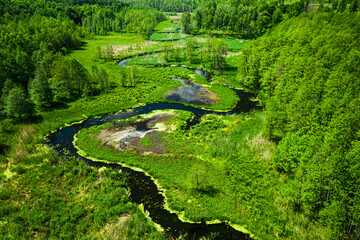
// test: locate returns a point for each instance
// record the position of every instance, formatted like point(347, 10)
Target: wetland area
point(143, 123)
point(184, 120)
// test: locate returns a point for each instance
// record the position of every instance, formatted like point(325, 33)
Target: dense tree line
point(130, 19)
point(168, 5)
point(30, 41)
point(307, 72)
point(211, 55)
point(251, 19)
point(243, 18)
point(34, 37)
point(103, 3)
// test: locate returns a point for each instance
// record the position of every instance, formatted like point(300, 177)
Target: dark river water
point(143, 190)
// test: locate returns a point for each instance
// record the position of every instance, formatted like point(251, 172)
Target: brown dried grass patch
point(262, 146)
point(116, 229)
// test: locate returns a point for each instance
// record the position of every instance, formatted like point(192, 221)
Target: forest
point(306, 70)
point(242, 113)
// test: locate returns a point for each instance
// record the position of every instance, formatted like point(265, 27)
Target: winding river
point(142, 189)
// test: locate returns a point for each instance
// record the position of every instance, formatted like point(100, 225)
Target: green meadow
point(167, 26)
point(222, 159)
point(151, 85)
point(168, 36)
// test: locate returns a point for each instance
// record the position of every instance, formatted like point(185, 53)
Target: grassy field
point(233, 44)
point(167, 27)
point(221, 160)
point(151, 84)
point(168, 36)
point(122, 44)
point(156, 59)
point(119, 41)
point(46, 196)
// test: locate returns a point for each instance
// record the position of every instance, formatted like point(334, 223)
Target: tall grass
point(167, 27)
point(168, 36)
point(223, 159)
point(46, 196)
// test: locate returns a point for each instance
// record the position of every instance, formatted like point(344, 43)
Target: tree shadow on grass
point(227, 67)
point(32, 119)
point(57, 105)
point(209, 190)
point(197, 61)
point(82, 46)
point(3, 148)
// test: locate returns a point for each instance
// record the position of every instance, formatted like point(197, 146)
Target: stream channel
point(142, 189)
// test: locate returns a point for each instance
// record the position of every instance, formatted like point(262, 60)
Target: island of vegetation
point(141, 134)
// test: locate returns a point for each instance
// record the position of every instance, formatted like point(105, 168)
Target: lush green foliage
point(131, 19)
point(307, 72)
point(16, 103)
point(33, 40)
point(168, 5)
point(185, 22)
point(167, 27)
point(230, 72)
point(253, 18)
point(222, 159)
point(46, 196)
point(167, 36)
point(243, 18)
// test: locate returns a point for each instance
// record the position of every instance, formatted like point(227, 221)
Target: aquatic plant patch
point(168, 36)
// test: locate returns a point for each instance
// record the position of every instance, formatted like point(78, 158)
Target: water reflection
point(190, 93)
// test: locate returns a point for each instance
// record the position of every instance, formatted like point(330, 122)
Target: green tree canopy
point(39, 91)
point(185, 22)
point(17, 105)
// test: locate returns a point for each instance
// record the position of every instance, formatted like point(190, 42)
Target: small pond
point(192, 93)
